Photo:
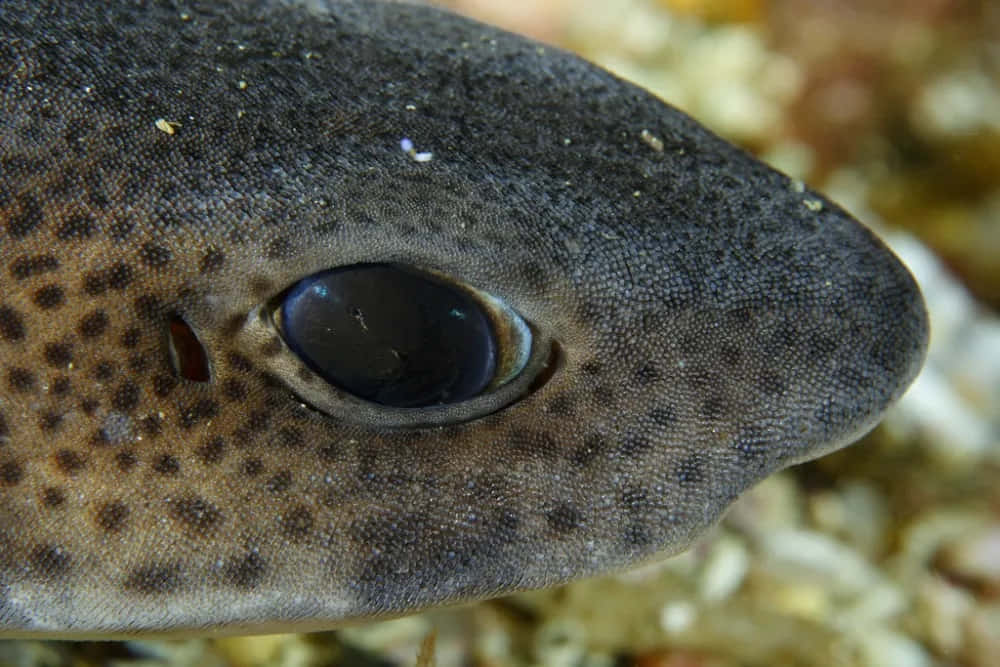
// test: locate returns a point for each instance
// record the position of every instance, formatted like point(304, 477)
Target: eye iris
point(391, 336)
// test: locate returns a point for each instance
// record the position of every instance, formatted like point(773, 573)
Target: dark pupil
point(391, 335)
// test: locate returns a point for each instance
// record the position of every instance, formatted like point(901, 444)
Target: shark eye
point(395, 337)
point(404, 346)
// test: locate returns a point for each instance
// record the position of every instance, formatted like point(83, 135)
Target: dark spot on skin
point(592, 368)
point(117, 277)
point(198, 515)
point(258, 421)
point(58, 355)
point(534, 276)
point(634, 445)
point(89, 406)
point(111, 516)
point(280, 482)
point(563, 518)
point(245, 572)
point(50, 561)
point(260, 286)
point(76, 228)
point(11, 473)
point(157, 578)
point(647, 374)
point(53, 497)
point(212, 261)
point(664, 416)
point(50, 420)
point(821, 347)
point(233, 325)
point(126, 460)
point(126, 397)
point(20, 379)
point(166, 464)
point(561, 405)
point(49, 297)
point(93, 324)
point(603, 394)
point(26, 267)
point(94, 283)
point(752, 443)
point(690, 345)
point(27, 219)
point(163, 385)
point(130, 338)
point(120, 229)
point(204, 409)
point(592, 446)
point(288, 436)
point(270, 381)
point(635, 499)
point(239, 362)
point(713, 408)
point(297, 524)
point(636, 535)
point(278, 248)
point(151, 425)
point(4, 429)
point(104, 371)
point(61, 386)
point(69, 462)
point(252, 467)
point(138, 363)
point(11, 324)
point(271, 347)
point(532, 443)
point(590, 311)
point(235, 390)
point(148, 307)
point(690, 470)
point(154, 256)
point(212, 451)
point(330, 452)
point(730, 354)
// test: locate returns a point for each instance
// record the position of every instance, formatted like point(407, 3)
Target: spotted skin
point(712, 322)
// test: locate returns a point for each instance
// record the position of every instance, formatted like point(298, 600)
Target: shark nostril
point(187, 354)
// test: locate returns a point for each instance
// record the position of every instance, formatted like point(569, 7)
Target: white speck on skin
point(166, 126)
point(407, 145)
point(652, 141)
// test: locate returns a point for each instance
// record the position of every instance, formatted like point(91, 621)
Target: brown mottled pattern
point(714, 323)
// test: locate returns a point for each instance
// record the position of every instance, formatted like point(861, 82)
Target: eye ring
point(524, 354)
